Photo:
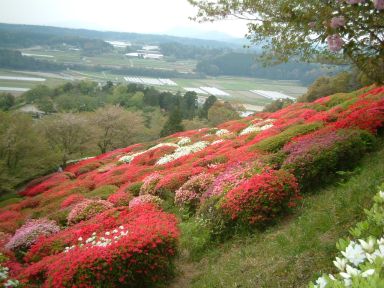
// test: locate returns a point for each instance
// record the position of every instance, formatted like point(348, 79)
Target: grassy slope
point(298, 249)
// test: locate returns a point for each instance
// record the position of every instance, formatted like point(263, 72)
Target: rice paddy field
point(233, 89)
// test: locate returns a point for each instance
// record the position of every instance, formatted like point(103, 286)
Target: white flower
point(380, 241)
point(115, 231)
point(11, 283)
point(321, 282)
point(331, 277)
point(381, 193)
point(251, 128)
point(94, 234)
point(184, 141)
point(367, 246)
point(108, 233)
point(367, 273)
point(217, 142)
point(80, 239)
point(221, 132)
point(354, 253)
point(121, 227)
point(340, 263)
point(350, 272)
point(183, 151)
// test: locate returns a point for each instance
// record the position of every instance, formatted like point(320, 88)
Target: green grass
point(294, 251)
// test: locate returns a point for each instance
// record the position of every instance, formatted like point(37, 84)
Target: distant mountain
point(203, 34)
point(127, 36)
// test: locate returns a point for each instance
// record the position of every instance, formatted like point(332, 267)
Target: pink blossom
point(144, 199)
point(355, 1)
point(337, 22)
point(335, 42)
point(27, 234)
point(87, 209)
point(379, 4)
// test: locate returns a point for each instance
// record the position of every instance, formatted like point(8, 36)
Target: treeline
point(249, 65)
point(26, 39)
point(182, 51)
point(108, 35)
point(13, 59)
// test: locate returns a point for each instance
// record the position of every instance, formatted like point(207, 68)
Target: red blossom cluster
point(262, 197)
point(141, 257)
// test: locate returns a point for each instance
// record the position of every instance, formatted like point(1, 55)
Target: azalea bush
point(262, 197)
point(314, 157)
point(87, 209)
point(189, 194)
point(138, 253)
point(28, 234)
point(145, 199)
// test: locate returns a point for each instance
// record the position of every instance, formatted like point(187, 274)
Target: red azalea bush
point(140, 258)
point(72, 199)
point(53, 180)
point(262, 197)
point(120, 199)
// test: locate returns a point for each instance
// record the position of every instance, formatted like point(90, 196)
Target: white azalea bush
point(128, 158)
point(258, 127)
point(222, 132)
point(183, 151)
point(184, 141)
point(361, 262)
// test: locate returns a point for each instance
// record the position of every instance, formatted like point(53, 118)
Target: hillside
point(119, 219)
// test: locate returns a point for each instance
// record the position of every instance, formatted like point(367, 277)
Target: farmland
point(233, 89)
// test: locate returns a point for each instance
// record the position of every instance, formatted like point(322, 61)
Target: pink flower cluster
point(192, 190)
point(87, 209)
point(145, 199)
point(335, 42)
point(231, 177)
point(149, 184)
point(27, 234)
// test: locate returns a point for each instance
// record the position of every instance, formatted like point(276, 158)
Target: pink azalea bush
point(145, 199)
point(191, 191)
point(149, 184)
point(87, 209)
point(27, 234)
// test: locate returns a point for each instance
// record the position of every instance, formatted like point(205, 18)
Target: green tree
point(69, 135)
point(115, 127)
point(222, 112)
point(173, 124)
point(302, 29)
point(7, 100)
point(203, 113)
point(189, 105)
point(24, 152)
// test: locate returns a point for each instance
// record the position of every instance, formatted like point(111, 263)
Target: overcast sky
point(142, 16)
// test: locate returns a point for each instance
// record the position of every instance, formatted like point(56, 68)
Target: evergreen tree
point(173, 124)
